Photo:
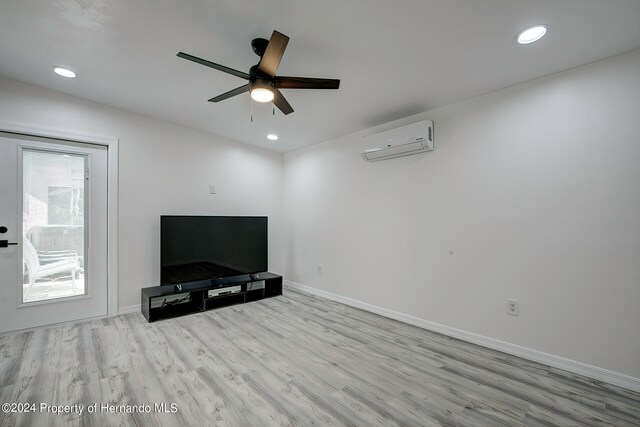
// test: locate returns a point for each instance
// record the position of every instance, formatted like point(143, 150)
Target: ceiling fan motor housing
point(256, 74)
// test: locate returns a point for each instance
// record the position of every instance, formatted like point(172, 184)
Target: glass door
point(53, 207)
point(53, 225)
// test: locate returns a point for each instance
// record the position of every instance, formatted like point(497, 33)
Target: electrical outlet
point(319, 269)
point(513, 307)
point(212, 189)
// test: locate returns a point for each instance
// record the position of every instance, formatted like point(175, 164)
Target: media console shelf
point(163, 302)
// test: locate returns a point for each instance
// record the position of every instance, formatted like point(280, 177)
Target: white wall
point(533, 193)
point(164, 169)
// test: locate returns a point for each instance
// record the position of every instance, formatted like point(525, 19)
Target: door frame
point(112, 192)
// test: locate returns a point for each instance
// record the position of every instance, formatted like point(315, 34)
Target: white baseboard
point(573, 366)
point(135, 308)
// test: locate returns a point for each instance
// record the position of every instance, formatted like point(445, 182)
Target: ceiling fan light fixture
point(262, 91)
point(262, 95)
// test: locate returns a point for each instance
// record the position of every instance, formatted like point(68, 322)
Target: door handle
point(5, 243)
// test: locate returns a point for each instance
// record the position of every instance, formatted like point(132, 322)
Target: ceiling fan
point(264, 85)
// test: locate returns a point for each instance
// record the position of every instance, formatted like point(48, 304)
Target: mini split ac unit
point(405, 140)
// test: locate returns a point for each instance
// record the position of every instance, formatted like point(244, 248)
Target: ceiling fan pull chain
point(251, 109)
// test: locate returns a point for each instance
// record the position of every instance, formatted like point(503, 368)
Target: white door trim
point(112, 193)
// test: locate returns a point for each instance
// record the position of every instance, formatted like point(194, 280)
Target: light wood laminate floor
point(291, 360)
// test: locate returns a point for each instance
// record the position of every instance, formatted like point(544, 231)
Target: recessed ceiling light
point(532, 34)
point(272, 136)
point(64, 72)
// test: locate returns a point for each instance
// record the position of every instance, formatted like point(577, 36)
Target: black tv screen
point(194, 248)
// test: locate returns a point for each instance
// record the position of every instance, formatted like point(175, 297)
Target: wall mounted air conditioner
point(405, 140)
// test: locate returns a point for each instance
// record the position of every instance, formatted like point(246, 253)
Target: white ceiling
point(395, 58)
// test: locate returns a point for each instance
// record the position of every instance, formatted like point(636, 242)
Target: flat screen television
point(196, 248)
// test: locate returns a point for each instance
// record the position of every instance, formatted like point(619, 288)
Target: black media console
point(163, 302)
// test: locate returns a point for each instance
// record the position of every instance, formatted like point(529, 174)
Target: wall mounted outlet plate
point(513, 307)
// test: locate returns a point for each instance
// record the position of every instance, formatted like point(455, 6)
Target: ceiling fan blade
point(214, 65)
point(283, 82)
point(273, 54)
point(234, 92)
point(281, 102)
